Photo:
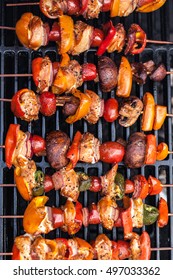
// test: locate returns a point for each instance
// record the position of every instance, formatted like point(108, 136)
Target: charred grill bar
point(17, 59)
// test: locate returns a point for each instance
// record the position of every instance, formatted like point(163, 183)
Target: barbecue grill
point(17, 59)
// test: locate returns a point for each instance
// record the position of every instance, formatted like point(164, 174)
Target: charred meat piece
point(108, 73)
point(83, 36)
point(89, 148)
point(96, 107)
point(135, 150)
point(129, 110)
point(103, 248)
point(45, 78)
point(149, 65)
point(93, 9)
point(57, 144)
point(126, 7)
point(67, 181)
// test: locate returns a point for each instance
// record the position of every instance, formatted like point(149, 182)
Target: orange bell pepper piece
point(125, 74)
point(160, 116)
point(163, 213)
point(65, 59)
point(22, 185)
point(34, 214)
point(22, 28)
point(162, 151)
point(149, 112)
point(67, 33)
point(114, 8)
point(83, 107)
point(150, 5)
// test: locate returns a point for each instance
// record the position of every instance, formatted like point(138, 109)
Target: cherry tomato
point(38, 145)
point(111, 152)
point(110, 113)
point(89, 72)
point(47, 102)
point(84, 6)
point(95, 184)
point(162, 151)
point(94, 217)
point(73, 7)
point(129, 186)
point(48, 183)
point(106, 5)
point(97, 37)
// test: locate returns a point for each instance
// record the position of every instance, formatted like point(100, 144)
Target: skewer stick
point(22, 4)
point(15, 75)
point(11, 217)
point(148, 40)
point(152, 249)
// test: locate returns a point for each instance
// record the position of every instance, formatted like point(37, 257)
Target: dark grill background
point(17, 59)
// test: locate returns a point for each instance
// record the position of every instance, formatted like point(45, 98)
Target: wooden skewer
point(15, 75)
point(152, 249)
point(14, 185)
point(147, 40)
point(11, 217)
point(22, 4)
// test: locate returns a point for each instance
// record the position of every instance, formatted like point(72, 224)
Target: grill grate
point(17, 59)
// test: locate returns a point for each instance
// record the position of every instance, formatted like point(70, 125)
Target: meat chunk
point(57, 144)
point(118, 41)
point(96, 107)
point(89, 148)
point(67, 181)
point(83, 36)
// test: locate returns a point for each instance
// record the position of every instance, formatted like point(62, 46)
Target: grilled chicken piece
point(80, 249)
point(93, 9)
point(57, 144)
point(89, 148)
point(68, 78)
point(83, 36)
point(108, 212)
point(103, 248)
point(108, 182)
point(29, 105)
point(68, 183)
point(23, 243)
point(129, 111)
point(96, 107)
point(126, 7)
point(45, 78)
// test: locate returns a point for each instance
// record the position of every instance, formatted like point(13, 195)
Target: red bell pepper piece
point(127, 222)
point(73, 152)
point(151, 149)
point(16, 253)
point(16, 104)
point(163, 213)
point(129, 186)
point(110, 31)
point(10, 143)
point(155, 186)
point(136, 40)
point(48, 183)
point(145, 246)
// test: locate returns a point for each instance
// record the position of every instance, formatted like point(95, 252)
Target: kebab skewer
point(41, 219)
point(75, 38)
point(88, 9)
point(26, 247)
